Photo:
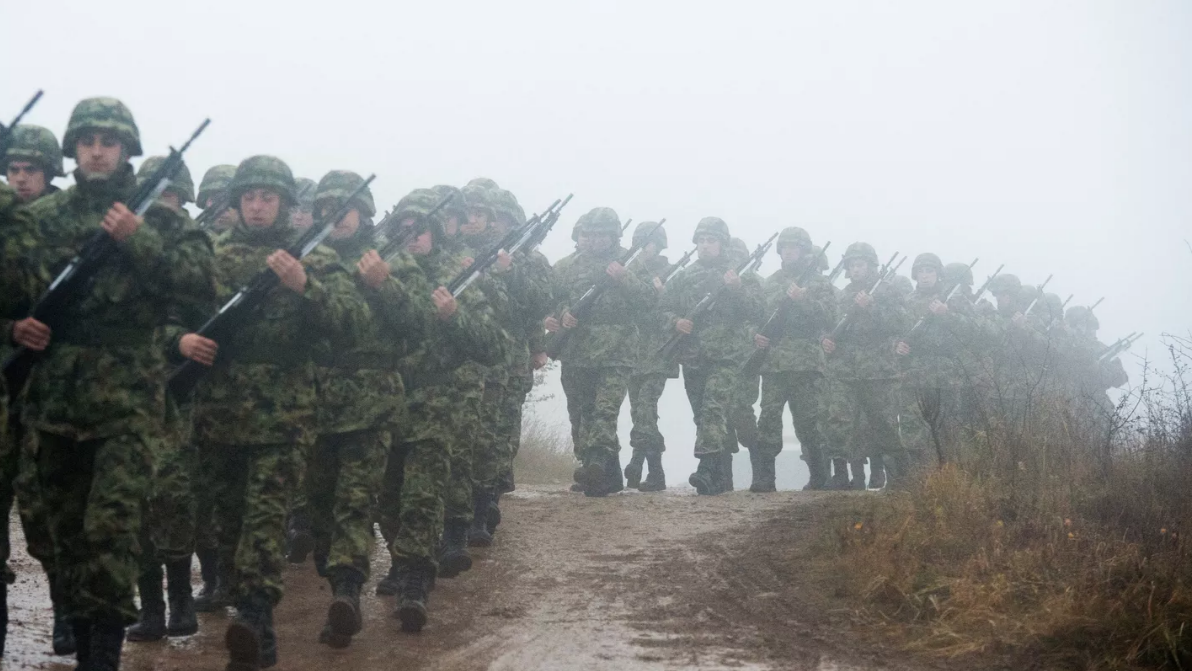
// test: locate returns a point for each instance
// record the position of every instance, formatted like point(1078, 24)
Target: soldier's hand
point(732, 279)
point(551, 324)
point(539, 360)
point(1018, 319)
point(504, 260)
point(795, 292)
point(684, 326)
point(828, 346)
point(902, 348)
point(659, 287)
point(467, 262)
point(569, 321)
point(862, 299)
point(938, 307)
point(197, 348)
point(445, 305)
point(288, 269)
point(616, 271)
point(120, 222)
point(373, 269)
point(31, 333)
point(761, 341)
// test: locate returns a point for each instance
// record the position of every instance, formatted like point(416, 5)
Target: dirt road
point(633, 581)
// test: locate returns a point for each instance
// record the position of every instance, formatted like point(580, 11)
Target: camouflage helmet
point(863, 251)
point(793, 235)
point(738, 251)
point(958, 273)
point(902, 285)
point(102, 114)
point(927, 260)
point(478, 197)
point(822, 259)
point(1005, 284)
point(182, 185)
point(457, 208)
point(1081, 316)
point(600, 221)
point(305, 190)
point(658, 237)
point(36, 145)
point(575, 232)
point(1054, 305)
point(418, 203)
point(338, 185)
point(505, 203)
point(484, 183)
point(216, 179)
point(262, 172)
point(713, 226)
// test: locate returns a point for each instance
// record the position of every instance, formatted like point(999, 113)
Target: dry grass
point(1048, 558)
point(545, 455)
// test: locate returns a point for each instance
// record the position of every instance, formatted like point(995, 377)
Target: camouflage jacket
point(724, 333)
point(606, 337)
point(865, 348)
point(263, 389)
point(798, 348)
point(104, 372)
point(528, 282)
point(1087, 374)
point(651, 322)
point(943, 345)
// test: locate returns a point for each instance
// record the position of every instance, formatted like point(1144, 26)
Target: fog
point(1052, 137)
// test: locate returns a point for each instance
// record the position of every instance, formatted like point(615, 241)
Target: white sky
point(1052, 137)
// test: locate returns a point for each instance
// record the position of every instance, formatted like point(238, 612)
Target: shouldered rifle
point(668, 350)
point(772, 329)
point(883, 276)
point(72, 280)
point(213, 211)
point(757, 258)
point(679, 265)
point(1118, 347)
point(559, 339)
point(832, 276)
point(951, 292)
point(1094, 305)
point(240, 310)
point(1038, 296)
point(512, 242)
point(988, 280)
point(626, 226)
point(6, 131)
point(396, 240)
point(539, 234)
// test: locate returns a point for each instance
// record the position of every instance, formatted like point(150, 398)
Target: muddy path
point(633, 581)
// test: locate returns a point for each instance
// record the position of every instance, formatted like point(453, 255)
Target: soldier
point(599, 356)
point(714, 352)
point(301, 217)
point(212, 190)
point(742, 424)
point(256, 410)
point(651, 373)
point(1092, 378)
point(419, 462)
point(863, 396)
point(32, 162)
point(96, 398)
point(793, 371)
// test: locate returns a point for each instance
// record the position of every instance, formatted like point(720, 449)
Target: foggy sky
point(1052, 137)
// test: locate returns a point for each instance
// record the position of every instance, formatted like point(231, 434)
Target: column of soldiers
point(369, 385)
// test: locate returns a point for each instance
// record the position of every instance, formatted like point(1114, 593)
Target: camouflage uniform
point(714, 352)
point(601, 350)
point(1092, 410)
point(211, 189)
point(793, 371)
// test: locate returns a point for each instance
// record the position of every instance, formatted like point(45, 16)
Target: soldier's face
point(503, 224)
point(260, 207)
point(422, 244)
point(451, 226)
point(347, 226)
point(927, 277)
point(707, 247)
point(226, 219)
point(858, 269)
point(99, 154)
point(171, 200)
point(477, 221)
point(790, 253)
point(27, 179)
point(301, 219)
point(595, 243)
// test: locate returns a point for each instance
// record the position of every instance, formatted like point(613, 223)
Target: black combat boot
point(343, 616)
point(633, 471)
point(245, 635)
point(817, 469)
point(877, 472)
point(81, 636)
point(219, 598)
point(321, 559)
point(858, 481)
point(656, 479)
point(411, 600)
point(209, 570)
point(299, 538)
point(152, 623)
point(839, 481)
point(388, 585)
point(763, 471)
point(454, 558)
point(704, 478)
point(183, 620)
point(107, 641)
point(478, 534)
point(63, 639)
point(612, 471)
point(493, 519)
point(594, 479)
point(725, 476)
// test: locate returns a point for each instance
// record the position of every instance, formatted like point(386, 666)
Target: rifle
point(76, 277)
point(539, 234)
point(395, 243)
point(679, 265)
point(513, 241)
point(1118, 347)
point(213, 211)
point(757, 261)
point(626, 226)
point(836, 271)
point(1037, 297)
point(951, 293)
point(772, 329)
point(241, 308)
point(988, 281)
point(882, 277)
point(301, 195)
point(1094, 305)
point(6, 131)
point(1060, 318)
point(555, 344)
point(668, 350)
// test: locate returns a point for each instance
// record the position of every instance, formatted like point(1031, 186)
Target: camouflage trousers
point(169, 532)
point(342, 481)
point(861, 419)
point(644, 392)
point(19, 472)
point(928, 424)
point(801, 391)
point(491, 445)
point(742, 420)
point(412, 494)
point(713, 391)
point(509, 427)
point(253, 485)
point(461, 440)
point(594, 398)
point(93, 492)
point(206, 521)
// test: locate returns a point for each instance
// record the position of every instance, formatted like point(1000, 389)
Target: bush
point(545, 455)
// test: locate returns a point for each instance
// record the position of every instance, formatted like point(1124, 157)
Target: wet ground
point(633, 581)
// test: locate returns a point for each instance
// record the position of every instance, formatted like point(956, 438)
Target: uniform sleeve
point(403, 301)
point(473, 330)
point(332, 302)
